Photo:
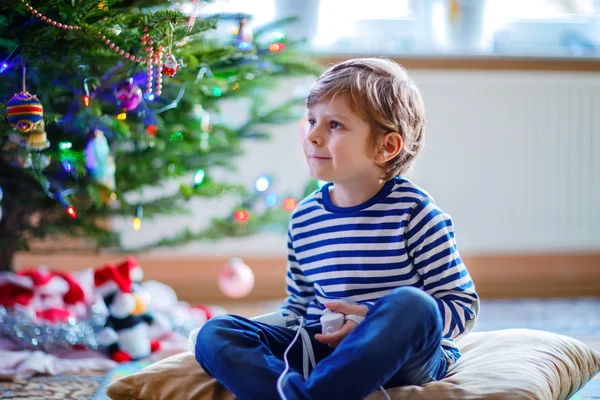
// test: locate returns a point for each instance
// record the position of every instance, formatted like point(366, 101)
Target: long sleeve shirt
point(399, 237)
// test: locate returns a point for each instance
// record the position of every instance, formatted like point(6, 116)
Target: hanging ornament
point(158, 61)
point(98, 160)
point(24, 110)
point(37, 138)
point(244, 33)
point(236, 279)
point(171, 65)
point(128, 95)
point(1, 195)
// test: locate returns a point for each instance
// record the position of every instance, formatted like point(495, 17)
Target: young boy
point(369, 244)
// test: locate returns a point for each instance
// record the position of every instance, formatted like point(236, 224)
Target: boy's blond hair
point(382, 93)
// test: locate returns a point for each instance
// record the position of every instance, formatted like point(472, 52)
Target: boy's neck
point(353, 193)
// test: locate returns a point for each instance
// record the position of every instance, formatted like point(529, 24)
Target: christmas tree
point(104, 98)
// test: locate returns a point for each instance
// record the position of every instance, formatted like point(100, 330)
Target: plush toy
point(45, 295)
point(126, 333)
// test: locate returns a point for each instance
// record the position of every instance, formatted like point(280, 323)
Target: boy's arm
point(299, 289)
point(431, 247)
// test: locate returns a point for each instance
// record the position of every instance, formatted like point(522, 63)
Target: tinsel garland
point(17, 326)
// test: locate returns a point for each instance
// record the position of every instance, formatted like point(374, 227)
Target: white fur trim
point(136, 274)
point(107, 288)
point(122, 305)
point(57, 286)
point(11, 277)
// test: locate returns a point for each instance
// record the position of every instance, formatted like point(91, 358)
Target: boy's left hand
point(334, 339)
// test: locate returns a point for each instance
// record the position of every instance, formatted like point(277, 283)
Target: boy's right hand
point(334, 339)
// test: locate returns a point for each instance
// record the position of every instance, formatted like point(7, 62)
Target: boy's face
point(336, 145)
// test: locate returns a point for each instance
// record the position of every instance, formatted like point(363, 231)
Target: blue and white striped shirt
point(397, 238)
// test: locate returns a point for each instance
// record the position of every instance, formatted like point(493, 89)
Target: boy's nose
point(314, 136)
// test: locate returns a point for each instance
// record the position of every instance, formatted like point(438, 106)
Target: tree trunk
point(7, 256)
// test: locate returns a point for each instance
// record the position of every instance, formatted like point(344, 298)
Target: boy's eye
point(335, 125)
point(311, 122)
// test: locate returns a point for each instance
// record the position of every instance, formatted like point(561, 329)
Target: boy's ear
point(389, 147)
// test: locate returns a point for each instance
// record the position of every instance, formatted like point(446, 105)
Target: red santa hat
point(15, 289)
point(45, 282)
point(131, 269)
point(112, 279)
point(75, 293)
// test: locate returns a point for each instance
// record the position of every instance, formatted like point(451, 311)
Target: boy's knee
point(211, 335)
point(408, 300)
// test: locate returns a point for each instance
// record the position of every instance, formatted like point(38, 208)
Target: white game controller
point(331, 322)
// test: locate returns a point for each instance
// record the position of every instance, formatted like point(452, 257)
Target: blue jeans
point(397, 344)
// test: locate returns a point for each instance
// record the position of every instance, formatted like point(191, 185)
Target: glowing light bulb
point(137, 224)
point(65, 145)
point(289, 203)
point(271, 199)
point(262, 183)
point(71, 212)
point(198, 177)
point(241, 215)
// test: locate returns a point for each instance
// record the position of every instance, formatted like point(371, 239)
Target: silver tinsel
point(17, 326)
point(180, 322)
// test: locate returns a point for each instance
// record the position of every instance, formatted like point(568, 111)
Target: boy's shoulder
point(405, 190)
point(308, 203)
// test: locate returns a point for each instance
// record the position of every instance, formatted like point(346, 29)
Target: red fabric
point(126, 266)
point(111, 273)
point(54, 314)
point(120, 356)
point(39, 278)
point(11, 294)
point(75, 294)
point(155, 346)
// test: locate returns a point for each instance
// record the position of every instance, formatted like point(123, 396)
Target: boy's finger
point(337, 335)
point(346, 309)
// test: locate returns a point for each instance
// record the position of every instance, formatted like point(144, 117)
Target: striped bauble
point(24, 111)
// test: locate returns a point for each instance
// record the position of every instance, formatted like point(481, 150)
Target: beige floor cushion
point(507, 364)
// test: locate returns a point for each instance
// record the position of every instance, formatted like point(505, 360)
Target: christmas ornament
point(244, 33)
point(126, 332)
point(24, 111)
point(37, 138)
point(171, 65)
point(236, 279)
point(128, 94)
point(98, 160)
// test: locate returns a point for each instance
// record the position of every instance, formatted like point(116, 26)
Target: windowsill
point(477, 62)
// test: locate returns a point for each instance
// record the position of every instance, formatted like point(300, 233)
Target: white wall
point(510, 155)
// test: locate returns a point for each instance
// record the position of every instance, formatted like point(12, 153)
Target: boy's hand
point(334, 339)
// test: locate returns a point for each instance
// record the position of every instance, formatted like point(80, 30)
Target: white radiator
point(514, 157)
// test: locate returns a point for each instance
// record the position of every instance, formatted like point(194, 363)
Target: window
point(540, 9)
point(262, 11)
point(354, 20)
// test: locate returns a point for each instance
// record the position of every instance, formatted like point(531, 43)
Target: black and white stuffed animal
point(126, 332)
